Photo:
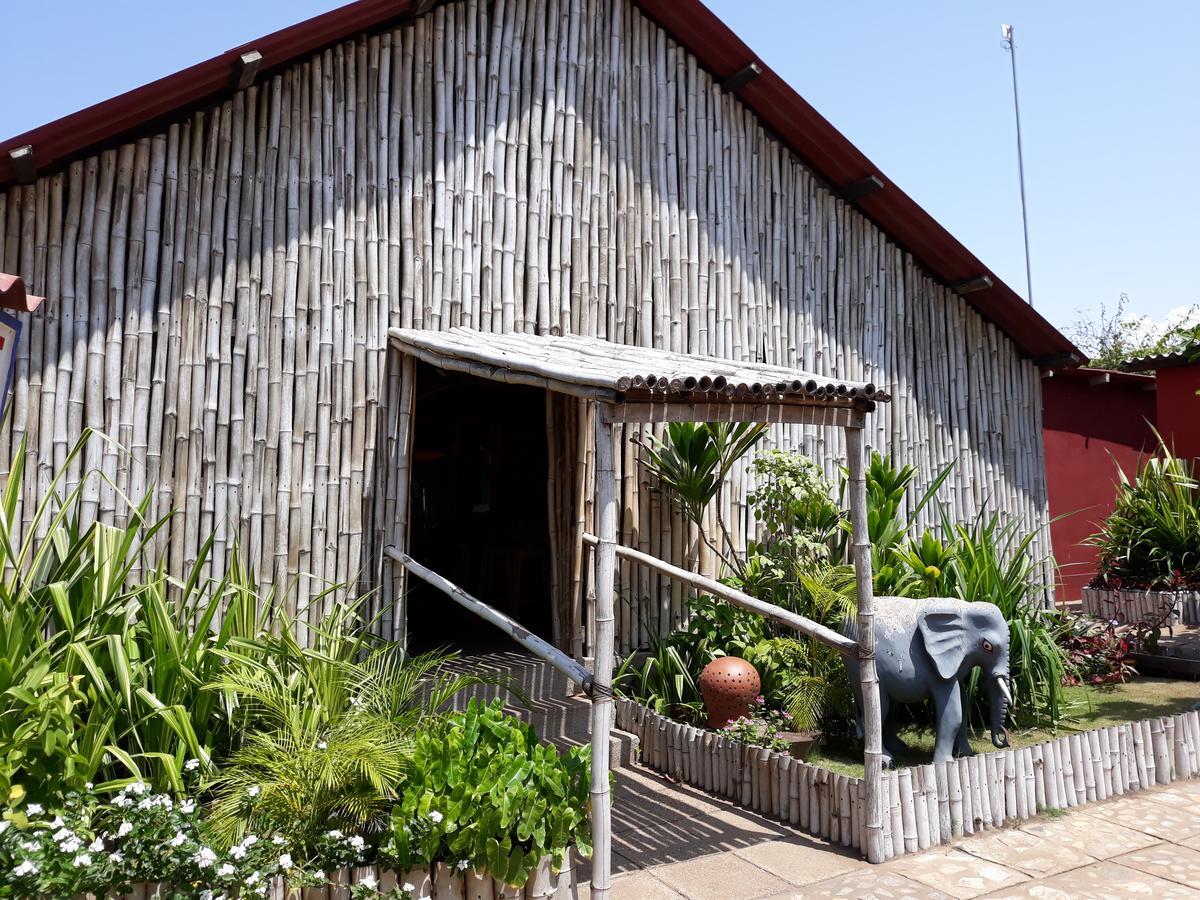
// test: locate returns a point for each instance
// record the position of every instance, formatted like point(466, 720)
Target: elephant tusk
point(1006, 692)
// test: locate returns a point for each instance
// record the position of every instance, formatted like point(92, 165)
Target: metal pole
point(1010, 45)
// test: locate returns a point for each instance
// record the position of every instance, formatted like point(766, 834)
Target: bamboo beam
point(509, 626)
point(872, 720)
point(602, 705)
point(805, 626)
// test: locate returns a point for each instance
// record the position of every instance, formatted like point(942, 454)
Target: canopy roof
point(641, 376)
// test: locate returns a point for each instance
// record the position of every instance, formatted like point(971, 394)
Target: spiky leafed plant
point(328, 729)
point(691, 463)
point(1152, 538)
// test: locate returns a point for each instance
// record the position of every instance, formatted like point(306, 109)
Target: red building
point(1093, 420)
point(1178, 406)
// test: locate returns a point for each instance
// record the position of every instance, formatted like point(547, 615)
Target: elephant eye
point(987, 646)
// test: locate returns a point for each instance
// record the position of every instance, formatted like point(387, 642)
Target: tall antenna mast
point(1006, 33)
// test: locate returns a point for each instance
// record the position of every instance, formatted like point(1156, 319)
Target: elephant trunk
point(999, 701)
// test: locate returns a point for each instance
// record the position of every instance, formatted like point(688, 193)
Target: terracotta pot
point(729, 685)
point(800, 743)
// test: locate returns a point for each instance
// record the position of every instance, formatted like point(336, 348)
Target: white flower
point(436, 817)
point(463, 865)
point(88, 786)
point(138, 787)
point(279, 840)
point(250, 840)
point(121, 801)
point(204, 857)
point(187, 807)
point(179, 838)
point(253, 791)
point(237, 851)
point(226, 869)
point(56, 822)
point(83, 860)
point(321, 745)
point(408, 886)
point(191, 765)
point(4, 823)
point(335, 834)
point(368, 881)
point(29, 846)
point(96, 846)
point(34, 809)
point(206, 895)
point(117, 856)
point(357, 842)
point(25, 868)
point(125, 828)
point(285, 861)
point(71, 845)
point(255, 878)
point(62, 834)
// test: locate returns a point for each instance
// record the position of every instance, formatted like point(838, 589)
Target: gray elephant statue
point(927, 648)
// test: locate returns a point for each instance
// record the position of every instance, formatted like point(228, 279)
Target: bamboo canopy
point(661, 384)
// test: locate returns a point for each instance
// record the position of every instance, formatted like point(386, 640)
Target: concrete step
point(556, 711)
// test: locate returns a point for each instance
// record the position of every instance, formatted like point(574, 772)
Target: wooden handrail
point(805, 626)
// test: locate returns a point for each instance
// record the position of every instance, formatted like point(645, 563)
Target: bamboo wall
point(219, 290)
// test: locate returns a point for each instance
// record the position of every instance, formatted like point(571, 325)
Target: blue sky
point(1108, 91)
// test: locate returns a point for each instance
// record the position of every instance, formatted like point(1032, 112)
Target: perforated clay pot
point(729, 685)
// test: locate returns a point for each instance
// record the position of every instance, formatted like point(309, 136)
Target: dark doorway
point(479, 509)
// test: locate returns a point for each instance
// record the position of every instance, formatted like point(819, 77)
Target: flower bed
point(931, 804)
point(1143, 606)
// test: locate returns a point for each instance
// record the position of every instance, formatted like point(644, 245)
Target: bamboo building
point(225, 251)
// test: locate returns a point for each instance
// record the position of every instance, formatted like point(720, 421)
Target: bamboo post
point(606, 561)
point(872, 720)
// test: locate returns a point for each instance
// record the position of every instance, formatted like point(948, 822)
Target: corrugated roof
point(783, 111)
point(624, 373)
point(1187, 357)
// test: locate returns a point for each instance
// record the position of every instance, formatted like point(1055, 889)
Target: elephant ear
point(945, 640)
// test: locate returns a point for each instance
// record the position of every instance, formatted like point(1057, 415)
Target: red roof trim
point(784, 112)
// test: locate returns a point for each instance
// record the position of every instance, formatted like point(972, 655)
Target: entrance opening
point(479, 509)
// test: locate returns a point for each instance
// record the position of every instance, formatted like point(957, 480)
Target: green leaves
point(482, 789)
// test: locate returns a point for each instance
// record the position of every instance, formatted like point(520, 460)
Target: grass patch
point(1089, 706)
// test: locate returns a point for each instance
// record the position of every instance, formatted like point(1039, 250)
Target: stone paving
point(672, 842)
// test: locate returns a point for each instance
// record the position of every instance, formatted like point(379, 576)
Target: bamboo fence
point(924, 805)
point(220, 291)
point(442, 881)
point(1143, 606)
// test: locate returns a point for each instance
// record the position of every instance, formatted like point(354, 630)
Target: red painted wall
point(1179, 409)
point(1088, 429)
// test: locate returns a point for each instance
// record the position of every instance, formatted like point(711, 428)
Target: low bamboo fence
point(219, 292)
point(1143, 606)
point(931, 804)
point(443, 881)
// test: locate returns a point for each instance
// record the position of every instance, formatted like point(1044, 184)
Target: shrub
point(1151, 541)
point(1095, 652)
point(482, 792)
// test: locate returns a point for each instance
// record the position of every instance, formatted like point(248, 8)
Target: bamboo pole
point(872, 725)
point(606, 503)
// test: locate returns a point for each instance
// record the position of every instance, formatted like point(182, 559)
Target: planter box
point(924, 806)
point(443, 882)
point(1135, 606)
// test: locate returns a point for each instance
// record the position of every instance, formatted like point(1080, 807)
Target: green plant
point(1152, 538)
point(762, 728)
point(104, 656)
point(664, 681)
point(691, 463)
point(327, 733)
point(484, 791)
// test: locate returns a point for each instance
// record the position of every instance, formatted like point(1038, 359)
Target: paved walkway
point(672, 842)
